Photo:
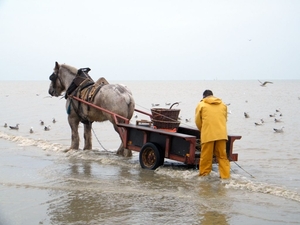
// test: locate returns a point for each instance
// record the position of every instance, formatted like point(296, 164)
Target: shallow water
point(40, 184)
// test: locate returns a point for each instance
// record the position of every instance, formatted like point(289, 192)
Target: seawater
point(42, 184)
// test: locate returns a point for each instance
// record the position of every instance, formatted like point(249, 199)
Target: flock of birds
point(16, 127)
point(276, 120)
point(277, 111)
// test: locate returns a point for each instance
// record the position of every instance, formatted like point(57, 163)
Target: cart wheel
point(151, 156)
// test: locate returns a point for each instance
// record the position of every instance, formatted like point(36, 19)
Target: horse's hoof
point(127, 153)
point(120, 152)
point(69, 149)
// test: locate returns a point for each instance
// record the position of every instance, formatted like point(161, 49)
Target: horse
point(115, 98)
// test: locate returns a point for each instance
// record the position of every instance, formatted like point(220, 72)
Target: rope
point(98, 140)
point(242, 168)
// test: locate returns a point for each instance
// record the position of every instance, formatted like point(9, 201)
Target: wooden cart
point(154, 145)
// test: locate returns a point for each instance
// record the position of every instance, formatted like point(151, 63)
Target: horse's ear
point(56, 68)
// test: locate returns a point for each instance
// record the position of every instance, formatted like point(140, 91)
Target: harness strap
point(86, 90)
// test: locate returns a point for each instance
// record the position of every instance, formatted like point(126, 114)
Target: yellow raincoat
point(211, 119)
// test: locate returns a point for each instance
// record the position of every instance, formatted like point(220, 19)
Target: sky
point(151, 39)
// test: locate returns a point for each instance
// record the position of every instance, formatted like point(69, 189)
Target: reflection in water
point(213, 217)
point(77, 203)
point(96, 194)
point(214, 194)
point(89, 196)
point(91, 193)
point(86, 166)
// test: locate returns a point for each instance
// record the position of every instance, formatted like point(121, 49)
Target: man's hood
point(212, 100)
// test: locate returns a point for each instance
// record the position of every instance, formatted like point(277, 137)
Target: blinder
point(53, 77)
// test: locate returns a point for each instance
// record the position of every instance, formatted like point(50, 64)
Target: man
point(211, 119)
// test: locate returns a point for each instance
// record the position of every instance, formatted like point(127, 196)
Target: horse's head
point(56, 85)
point(61, 78)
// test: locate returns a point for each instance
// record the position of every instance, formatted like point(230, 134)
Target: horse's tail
point(131, 107)
point(129, 101)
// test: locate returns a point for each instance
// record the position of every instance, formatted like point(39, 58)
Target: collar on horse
point(82, 80)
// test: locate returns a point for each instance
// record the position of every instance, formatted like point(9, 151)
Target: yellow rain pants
point(217, 148)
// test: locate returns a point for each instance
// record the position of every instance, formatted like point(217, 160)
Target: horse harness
point(85, 88)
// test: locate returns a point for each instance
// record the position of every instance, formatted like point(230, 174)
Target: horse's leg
point(73, 122)
point(124, 151)
point(121, 150)
point(87, 136)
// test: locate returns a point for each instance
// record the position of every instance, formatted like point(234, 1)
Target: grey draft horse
point(113, 97)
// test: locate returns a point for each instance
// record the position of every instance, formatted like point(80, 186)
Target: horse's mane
point(72, 69)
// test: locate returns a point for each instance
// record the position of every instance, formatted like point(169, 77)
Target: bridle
point(53, 77)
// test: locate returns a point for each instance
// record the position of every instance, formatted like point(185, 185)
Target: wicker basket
point(159, 124)
point(165, 114)
point(165, 118)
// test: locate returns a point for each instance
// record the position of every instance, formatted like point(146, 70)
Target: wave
point(260, 187)
point(236, 181)
point(106, 157)
point(24, 141)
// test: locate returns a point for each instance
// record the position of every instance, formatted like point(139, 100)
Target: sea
point(41, 183)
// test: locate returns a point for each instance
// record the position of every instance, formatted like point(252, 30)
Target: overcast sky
point(151, 40)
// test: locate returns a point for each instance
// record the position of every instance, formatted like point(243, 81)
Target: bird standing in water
point(14, 127)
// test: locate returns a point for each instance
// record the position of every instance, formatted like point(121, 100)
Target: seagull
point(47, 128)
point(277, 120)
point(31, 130)
point(263, 84)
point(272, 115)
point(258, 124)
point(5, 125)
point(42, 122)
point(53, 121)
point(168, 103)
point(246, 115)
point(135, 116)
point(155, 104)
point(14, 128)
point(188, 120)
point(278, 130)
